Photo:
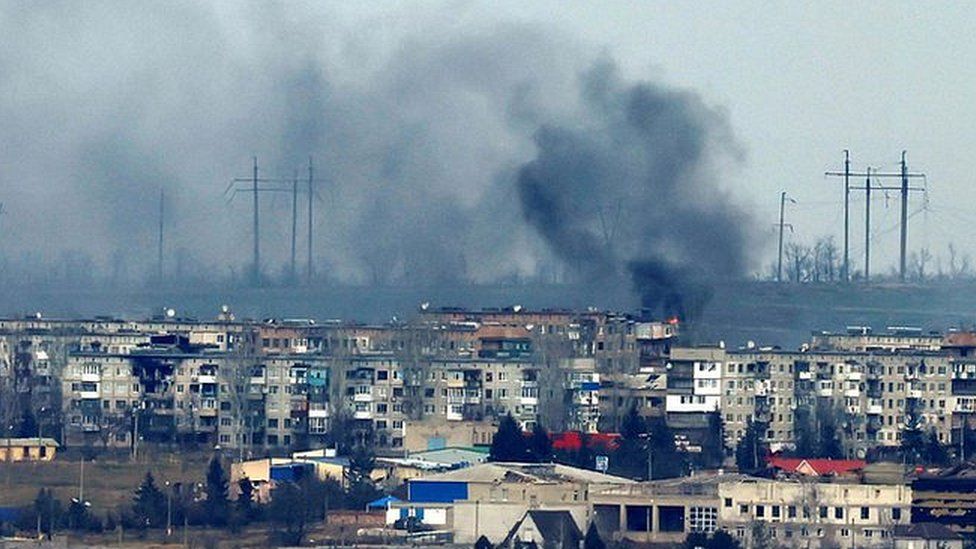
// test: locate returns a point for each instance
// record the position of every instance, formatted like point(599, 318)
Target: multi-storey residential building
point(172, 392)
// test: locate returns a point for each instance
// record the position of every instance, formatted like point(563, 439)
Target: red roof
point(816, 466)
point(572, 440)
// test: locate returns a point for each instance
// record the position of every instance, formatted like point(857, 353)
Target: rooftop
point(536, 473)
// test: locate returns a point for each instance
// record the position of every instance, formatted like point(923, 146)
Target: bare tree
point(959, 267)
point(797, 259)
point(917, 264)
point(235, 375)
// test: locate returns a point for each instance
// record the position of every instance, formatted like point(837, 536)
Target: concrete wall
point(471, 520)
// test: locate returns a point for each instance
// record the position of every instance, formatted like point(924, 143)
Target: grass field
point(109, 482)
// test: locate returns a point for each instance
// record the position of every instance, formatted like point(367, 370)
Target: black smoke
point(630, 191)
point(423, 133)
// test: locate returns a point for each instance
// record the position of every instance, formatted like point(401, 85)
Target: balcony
point(361, 414)
point(454, 416)
point(318, 413)
point(85, 395)
point(804, 375)
point(529, 401)
point(257, 380)
point(852, 393)
point(363, 397)
point(206, 378)
point(855, 376)
point(874, 408)
point(854, 409)
point(914, 393)
point(91, 378)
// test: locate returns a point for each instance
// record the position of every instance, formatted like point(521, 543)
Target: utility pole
point(256, 273)
point(159, 248)
point(904, 215)
point(903, 174)
point(311, 196)
point(867, 227)
point(294, 224)
point(254, 187)
point(782, 207)
point(846, 174)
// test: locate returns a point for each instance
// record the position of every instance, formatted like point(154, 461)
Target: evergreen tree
point(28, 425)
point(713, 445)
point(666, 461)
point(361, 488)
point(829, 443)
point(216, 505)
point(592, 539)
point(149, 508)
point(968, 445)
point(630, 458)
point(804, 433)
point(508, 444)
point(245, 500)
point(289, 513)
point(46, 513)
point(584, 458)
point(935, 452)
point(751, 450)
point(540, 445)
point(696, 540)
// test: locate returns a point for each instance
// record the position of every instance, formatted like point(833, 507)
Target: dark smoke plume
point(419, 130)
point(631, 192)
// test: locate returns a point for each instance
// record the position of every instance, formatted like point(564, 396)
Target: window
point(791, 511)
point(760, 511)
point(845, 532)
point(743, 509)
point(865, 513)
point(728, 502)
point(382, 375)
point(823, 512)
point(896, 513)
point(839, 513)
point(776, 511)
point(703, 519)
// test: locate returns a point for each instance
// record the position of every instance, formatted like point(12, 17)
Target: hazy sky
point(102, 104)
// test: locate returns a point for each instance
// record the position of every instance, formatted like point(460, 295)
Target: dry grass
point(110, 482)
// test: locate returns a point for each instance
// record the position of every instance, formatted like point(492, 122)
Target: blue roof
point(382, 503)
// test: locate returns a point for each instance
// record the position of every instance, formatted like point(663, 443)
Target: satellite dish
point(170, 313)
point(224, 309)
point(517, 308)
point(424, 306)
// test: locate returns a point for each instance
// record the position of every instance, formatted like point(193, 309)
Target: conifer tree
point(540, 445)
point(508, 444)
point(149, 507)
point(216, 505)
